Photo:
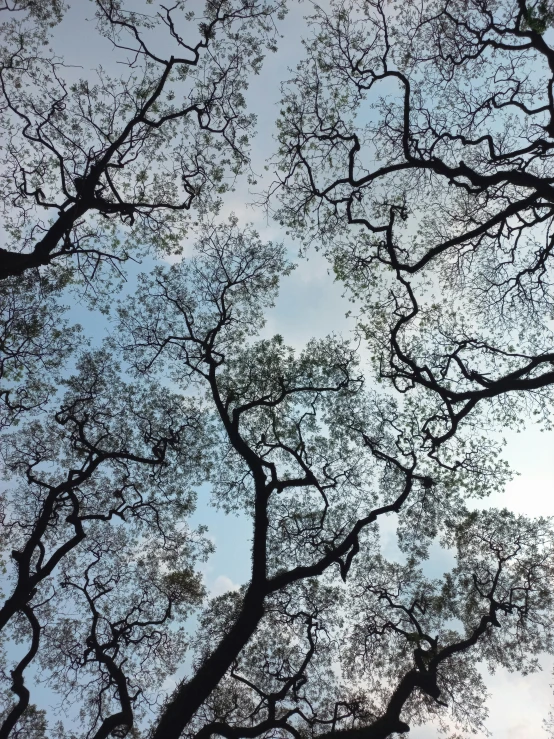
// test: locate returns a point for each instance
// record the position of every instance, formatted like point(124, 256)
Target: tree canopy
point(413, 149)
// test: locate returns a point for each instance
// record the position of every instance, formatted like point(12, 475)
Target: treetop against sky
point(279, 273)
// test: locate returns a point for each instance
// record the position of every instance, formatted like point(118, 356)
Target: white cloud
point(521, 731)
point(222, 584)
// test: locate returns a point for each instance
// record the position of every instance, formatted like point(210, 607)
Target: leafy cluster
point(415, 149)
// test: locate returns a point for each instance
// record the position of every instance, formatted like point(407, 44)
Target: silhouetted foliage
point(432, 197)
point(416, 146)
point(93, 170)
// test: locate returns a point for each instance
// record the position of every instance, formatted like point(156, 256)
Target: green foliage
point(539, 17)
point(430, 198)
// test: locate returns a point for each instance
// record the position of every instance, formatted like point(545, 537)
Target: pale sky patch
point(222, 584)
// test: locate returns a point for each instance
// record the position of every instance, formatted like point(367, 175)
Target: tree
point(427, 130)
point(36, 341)
point(105, 457)
point(299, 445)
point(99, 472)
point(93, 169)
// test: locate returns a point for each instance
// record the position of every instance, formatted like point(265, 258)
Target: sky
point(312, 304)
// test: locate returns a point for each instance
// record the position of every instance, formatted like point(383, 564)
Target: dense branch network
point(87, 160)
point(427, 130)
point(417, 184)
